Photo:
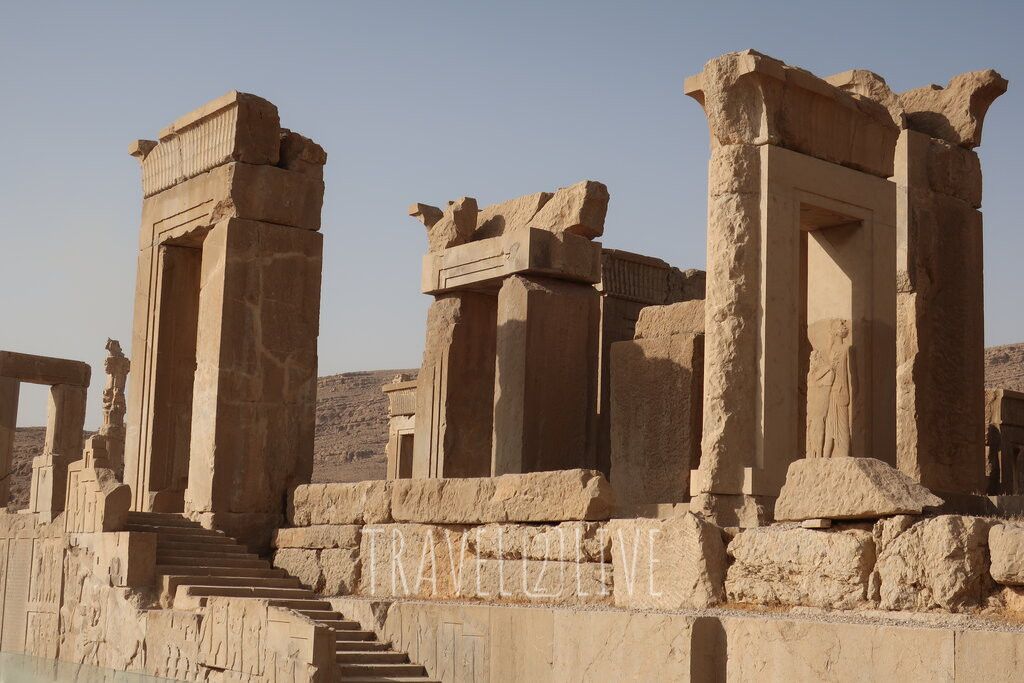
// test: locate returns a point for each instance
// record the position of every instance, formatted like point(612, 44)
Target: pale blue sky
point(426, 101)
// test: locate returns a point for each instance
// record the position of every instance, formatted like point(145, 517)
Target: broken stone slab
point(849, 488)
point(579, 209)
point(671, 563)
point(454, 227)
point(684, 317)
point(555, 496)
point(497, 219)
point(940, 562)
point(318, 536)
point(1006, 547)
point(365, 502)
point(790, 565)
point(955, 113)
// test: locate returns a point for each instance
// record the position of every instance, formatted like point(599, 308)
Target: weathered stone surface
point(497, 219)
point(341, 568)
point(849, 488)
point(413, 560)
point(537, 581)
point(556, 496)
point(667, 563)
point(954, 113)
point(569, 541)
point(299, 153)
point(318, 536)
point(789, 565)
point(579, 209)
point(365, 502)
point(1006, 548)
point(684, 317)
point(656, 411)
point(303, 564)
point(455, 227)
point(936, 563)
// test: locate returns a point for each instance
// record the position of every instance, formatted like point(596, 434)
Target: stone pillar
point(254, 400)
point(9, 390)
point(941, 335)
point(656, 406)
point(547, 363)
point(455, 388)
point(65, 421)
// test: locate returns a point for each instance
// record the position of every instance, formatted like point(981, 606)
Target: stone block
point(545, 383)
point(341, 568)
point(425, 561)
point(579, 209)
point(303, 564)
point(684, 317)
point(318, 536)
point(849, 488)
point(365, 502)
point(556, 496)
point(1006, 548)
point(32, 369)
point(790, 565)
point(656, 412)
point(667, 563)
point(940, 562)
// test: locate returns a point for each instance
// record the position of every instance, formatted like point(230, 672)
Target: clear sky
point(427, 101)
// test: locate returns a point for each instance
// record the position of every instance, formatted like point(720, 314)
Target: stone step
point(380, 670)
point(390, 679)
point(169, 584)
point(212, 562)
point(301, 603)
point(199, 555)
point(163, 519)
point(360, 646)
point(220, 546)
point(163, 537)
point(354, 637)
point(203, 590)
point(357, 657)
point(184, 531)
point(194, 570)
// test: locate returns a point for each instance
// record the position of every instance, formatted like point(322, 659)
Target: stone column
point(941, 335)
point(545, 397)
point(455, 388)
point(9, 390)
point(65, 420)
point(254, 399)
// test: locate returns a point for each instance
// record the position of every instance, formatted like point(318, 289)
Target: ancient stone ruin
point(608, 467)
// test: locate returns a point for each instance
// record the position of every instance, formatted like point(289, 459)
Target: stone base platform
point(489, 642)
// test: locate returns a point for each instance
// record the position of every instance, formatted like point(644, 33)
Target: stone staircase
point(194, 564)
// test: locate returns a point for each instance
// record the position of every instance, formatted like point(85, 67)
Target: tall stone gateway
point(844, 299)
point(227, 303)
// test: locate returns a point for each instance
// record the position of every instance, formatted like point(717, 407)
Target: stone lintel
point(750, 98)
point(32, 369)
point(483, 264)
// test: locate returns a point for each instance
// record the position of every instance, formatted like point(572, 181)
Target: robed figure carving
point(829, 390)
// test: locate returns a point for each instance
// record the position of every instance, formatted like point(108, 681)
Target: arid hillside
point(352, 422)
